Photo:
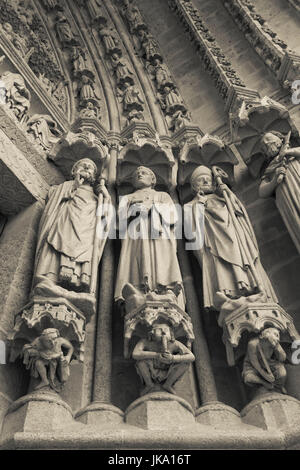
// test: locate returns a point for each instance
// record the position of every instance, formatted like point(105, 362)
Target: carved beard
point(88, 179)
point(205, 189)
point(272, 150)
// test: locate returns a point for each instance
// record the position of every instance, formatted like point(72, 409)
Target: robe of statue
point(288, 195)
point(148, 262)
point(225, 263)
point(66, 236)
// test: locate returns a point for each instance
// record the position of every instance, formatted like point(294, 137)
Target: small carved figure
point(227, 249)
point(46, 359)
point(130, 96)
point(172, 101)
point(122, 71)
point(134, 115)
point(79, 61)
point(17, 95)
point(44, 130)
point(87, 91)
point(264, 361)
point(149, 46)
point(95, 11)
point(162, 74)
point(161, 360)
point(63, 30)
point(281, 177)
point(19, 42)
point(133, 16)
point(50, 4)
point(179, 119)
point(90, 110)
point(109, 39)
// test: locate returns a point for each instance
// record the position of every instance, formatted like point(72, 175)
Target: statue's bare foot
point(42, 385)
point(169, 389)
point(147, 389)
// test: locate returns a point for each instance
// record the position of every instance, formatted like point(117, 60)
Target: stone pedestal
point(218, 414)
point(98, 413)
point(36, 412)
point(272, 411)
point(160, 411)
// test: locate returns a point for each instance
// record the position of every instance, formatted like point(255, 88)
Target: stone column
point(100, 410)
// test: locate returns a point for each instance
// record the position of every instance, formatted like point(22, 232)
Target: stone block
point(160, 411)
point(218, 414)
point(100, 414)
point(36, 412)
point(272, 411)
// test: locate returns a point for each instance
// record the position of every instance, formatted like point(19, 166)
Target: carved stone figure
point(17, 95)
point(94, 9)
point(148, 258)
point(63, 30)
point(87, 91)
point(79, 61)
point(264, 361)
point(172, 101)
point(133, 16)
point(149, 46)
point(44, 130)
point(19, 42)
point(130, 96)
point(90, 110)
point(109, 39)
point(162, 74)
point(46, 359)
point(226, 248)
point(122, 70)
point(50, 4)
point(281, 177)
point(66, 235)
point(179, 119)
point(161, 360)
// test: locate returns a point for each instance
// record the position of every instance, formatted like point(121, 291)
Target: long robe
point(288, 195)
point(66, 236)
point(225, 263)
point(148, 262)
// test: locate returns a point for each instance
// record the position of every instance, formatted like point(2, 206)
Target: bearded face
point(86, 171)
point(271, 144)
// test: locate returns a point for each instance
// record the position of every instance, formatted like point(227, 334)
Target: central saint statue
point(67, 233)
point(148, 258)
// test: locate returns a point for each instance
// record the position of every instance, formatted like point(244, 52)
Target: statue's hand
point(101, 189)
point(280, 174)
point(166, 358)
point(269, 377)
point(78, 181)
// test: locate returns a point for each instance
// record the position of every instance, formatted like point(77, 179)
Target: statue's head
point(160, 330)
point(144, 177)
point(86, 169)
point(48, 337)
point(202, 180)
point(271, 334)
point(271, 142)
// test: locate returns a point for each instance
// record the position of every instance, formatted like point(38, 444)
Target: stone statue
point(79, 61)
point(50, 4)
point(19, 42)
point(87, 90)
point(148, 258)
point(264, 361)
point(63, 30)
point(66, 234)
point(17, 95)
point(94, 9)
point(122, 70)
point(46, 359)
point(44, 130)
point(149, 46)
point(161, 360)
point(132, 15)
point(162, 74)
point(281, 177)
point(130, 97)
point(226, 248)
point(109, 39)
point(172, 101)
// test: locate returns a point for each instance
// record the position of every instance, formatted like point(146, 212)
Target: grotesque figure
point(46, 359)
point(161, 360)
point(66, 234)
point(264, 361)
point(281, 177)
point(148, 258)
point(17, 96)
point(44, 130)
point(226, 246)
